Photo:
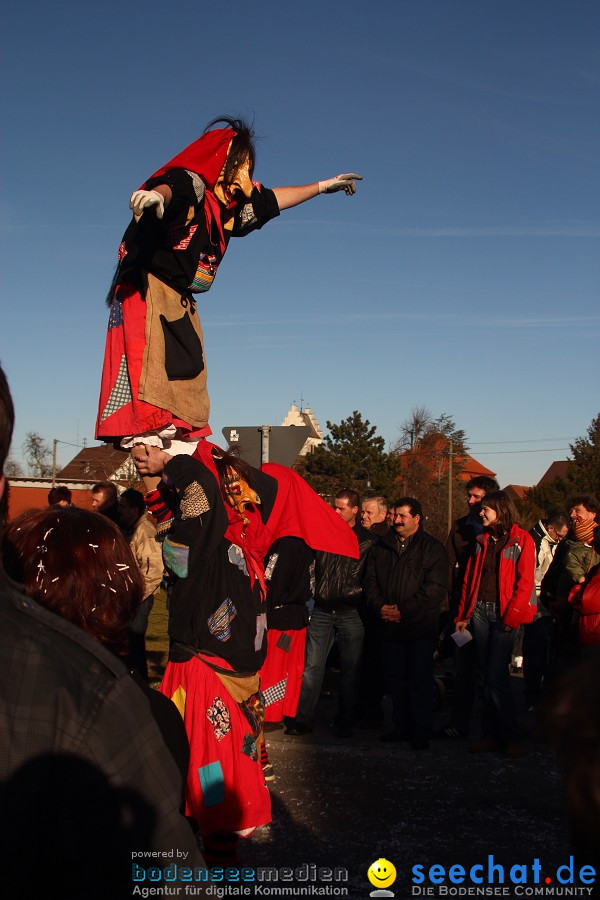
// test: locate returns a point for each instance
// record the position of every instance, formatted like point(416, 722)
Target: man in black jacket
point(338, 592)
point(406, 580)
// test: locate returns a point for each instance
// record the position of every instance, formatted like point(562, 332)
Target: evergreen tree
point(584, 474)
point(353, 456)
point(583, 478)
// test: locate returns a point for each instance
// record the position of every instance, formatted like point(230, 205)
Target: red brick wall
point(21, 499)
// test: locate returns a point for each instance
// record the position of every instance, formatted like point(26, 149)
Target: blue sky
point(463, 276)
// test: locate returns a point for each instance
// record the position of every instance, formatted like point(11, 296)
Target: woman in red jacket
point(498, 596)
point(585, 599)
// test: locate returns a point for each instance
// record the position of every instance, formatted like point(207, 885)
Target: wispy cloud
point(462, 320)
point(593, 77)
point(548, 230)
point(444, 76)
point(587, 231)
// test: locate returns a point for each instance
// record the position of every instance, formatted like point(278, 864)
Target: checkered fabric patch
point(194, 501)
point(121, 393)
point(275, 693)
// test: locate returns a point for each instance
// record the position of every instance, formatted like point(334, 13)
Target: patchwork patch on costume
point(237, 558)
point(218, 716)
point(176, 557)
point(247, 216)
point(212, 784)
point(275, 692)
point(183, 243)
point(197, 184)
point(254, 711)
point(219, 624)
point(178, 698)
point(194, 501)
point(121, 393)
point(261, 627)
point(115, 316)
point(249, 747)
point(284, 642)
point(270, 567)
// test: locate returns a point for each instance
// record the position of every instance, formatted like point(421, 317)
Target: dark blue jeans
point(136, 657)
point(536, 657)
point(322, 628)
point(494, 651)
point(409, 677)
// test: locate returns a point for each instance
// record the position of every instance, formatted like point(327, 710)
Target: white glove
point(141, 200)
point(340, 183)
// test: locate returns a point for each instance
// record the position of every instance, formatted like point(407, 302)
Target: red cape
point(206, 156)
point(298, 511)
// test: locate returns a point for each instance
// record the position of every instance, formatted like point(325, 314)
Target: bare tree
point(38, 455)
point(413, 429)
point(13, 469)
point(431, 452)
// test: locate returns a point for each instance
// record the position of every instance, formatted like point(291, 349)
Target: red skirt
point(129, 360)
point(225, 788)
point(281, 674)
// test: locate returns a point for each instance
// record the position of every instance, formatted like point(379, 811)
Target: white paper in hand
point(461, 638)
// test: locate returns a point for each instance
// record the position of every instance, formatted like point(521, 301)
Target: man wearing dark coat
point(406, 581)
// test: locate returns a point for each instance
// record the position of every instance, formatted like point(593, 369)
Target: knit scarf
point(584, 530)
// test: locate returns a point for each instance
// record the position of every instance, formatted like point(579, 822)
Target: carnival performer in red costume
point(154, 376)
point(227, 517)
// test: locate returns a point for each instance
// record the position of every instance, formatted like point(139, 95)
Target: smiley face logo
point(382, 873)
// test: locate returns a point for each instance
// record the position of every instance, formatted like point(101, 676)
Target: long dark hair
point(225, 460)
point(79, 565)
point(242, 144)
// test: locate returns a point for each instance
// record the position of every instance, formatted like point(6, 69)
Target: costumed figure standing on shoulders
point(153, 388)
point(227, 515)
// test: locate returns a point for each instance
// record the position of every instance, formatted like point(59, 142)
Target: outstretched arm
point(292, 196)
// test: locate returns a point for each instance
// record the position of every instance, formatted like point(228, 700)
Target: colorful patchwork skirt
point(154, 372)
point(223, 717)
point(281, 674)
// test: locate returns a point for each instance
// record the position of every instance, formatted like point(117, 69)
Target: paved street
point(349, 802)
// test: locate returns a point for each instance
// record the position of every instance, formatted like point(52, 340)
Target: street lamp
point(362, 469)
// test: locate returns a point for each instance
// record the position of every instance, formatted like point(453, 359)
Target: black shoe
point(419, 744)
point(298, 728)
point(394, 737)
